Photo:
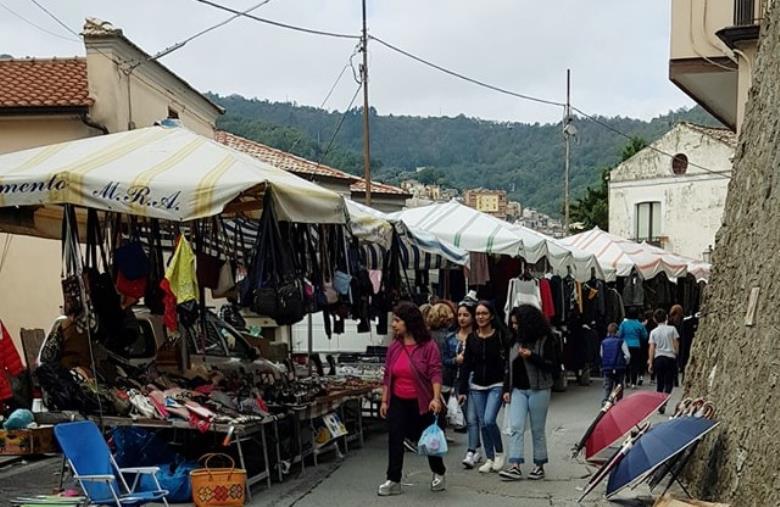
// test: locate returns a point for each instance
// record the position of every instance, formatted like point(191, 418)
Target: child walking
point(615, 357)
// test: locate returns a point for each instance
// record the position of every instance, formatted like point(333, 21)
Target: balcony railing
point(745, 12)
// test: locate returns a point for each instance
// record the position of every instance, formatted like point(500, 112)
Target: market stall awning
point(622, 255)
point(700, 270)
point(475, 231)
point(165, 172)
point(419, 248)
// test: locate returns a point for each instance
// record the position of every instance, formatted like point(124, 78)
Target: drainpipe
point(89, 122)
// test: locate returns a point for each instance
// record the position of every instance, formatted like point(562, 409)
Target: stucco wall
point(691, 205)
point(19, 133)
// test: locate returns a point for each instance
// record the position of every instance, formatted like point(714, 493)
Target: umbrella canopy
point(165, 172)
point(622, 418)
point(623, 256)
point(655, 447)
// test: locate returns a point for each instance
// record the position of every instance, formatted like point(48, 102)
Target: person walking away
point(454, 356)
point(634, 334)
point(527, 388)
point(676, 316)
point(410, 392)
point(485, 358)
point(664, 347)
point(649, 323)
point(615, 357)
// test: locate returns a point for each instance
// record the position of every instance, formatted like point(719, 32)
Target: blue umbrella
point(655, 447)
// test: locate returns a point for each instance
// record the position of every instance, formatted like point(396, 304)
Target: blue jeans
point(533, 404)
point(486, 404)
point(473, 425)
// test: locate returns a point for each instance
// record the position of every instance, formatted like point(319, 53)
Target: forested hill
point(524, 159)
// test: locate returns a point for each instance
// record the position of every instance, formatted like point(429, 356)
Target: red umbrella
point(622, 418)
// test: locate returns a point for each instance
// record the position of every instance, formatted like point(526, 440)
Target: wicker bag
point(218, 487)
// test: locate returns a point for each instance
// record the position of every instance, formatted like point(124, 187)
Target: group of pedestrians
point(465, 350)
point(628, 349)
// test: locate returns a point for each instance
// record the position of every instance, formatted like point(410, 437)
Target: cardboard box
point(29, 441)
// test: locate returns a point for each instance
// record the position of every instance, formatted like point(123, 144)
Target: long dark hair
point(413, 319)
point(533, 325)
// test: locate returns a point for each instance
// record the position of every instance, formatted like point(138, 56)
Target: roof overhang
point(736, 36)
point(711, 82)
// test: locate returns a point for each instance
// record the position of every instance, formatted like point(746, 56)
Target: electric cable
point(39, 27)
point(341, 122)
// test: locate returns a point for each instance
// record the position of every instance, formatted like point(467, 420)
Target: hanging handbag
point(103, 295)
point(226, 282)
point(154, 296)
point(74, 284)
point(130, 258)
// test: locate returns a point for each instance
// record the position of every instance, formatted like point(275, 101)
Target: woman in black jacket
point(485, 359)
point(528, 386)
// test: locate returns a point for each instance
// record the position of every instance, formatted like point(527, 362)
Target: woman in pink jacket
point(411, 391)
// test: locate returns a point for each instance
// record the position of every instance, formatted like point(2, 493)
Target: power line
point(341, 122)
point(55, 18)
point(464, 77)
point(609, 127)
point(279, 24)
point(178, 45)
point(39, 27)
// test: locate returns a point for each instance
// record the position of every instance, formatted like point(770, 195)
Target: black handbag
point(154, 296)
point(74, 282)
point(105, 299)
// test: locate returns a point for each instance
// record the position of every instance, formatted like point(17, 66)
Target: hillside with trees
point(524, 159)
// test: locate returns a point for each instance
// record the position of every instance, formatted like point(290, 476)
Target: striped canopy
point(165, 172)
point(419, 248)
point(622, 255)
point(700, 270)
point(475, 231)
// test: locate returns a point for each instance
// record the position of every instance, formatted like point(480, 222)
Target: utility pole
point(366, 136)
point(566, 137)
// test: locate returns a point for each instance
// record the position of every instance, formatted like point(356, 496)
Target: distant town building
point(423, 195)
point(676, 203)
point(493, 202)
point(541, 222)
point(514, 211)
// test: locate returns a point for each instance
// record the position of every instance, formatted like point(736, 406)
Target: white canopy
point(166, 172)
point(373, 226)
point(475, 231)
point(622, 255)
point(698, 269)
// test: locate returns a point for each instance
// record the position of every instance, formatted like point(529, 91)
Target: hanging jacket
point(633, 291)
point(614, 355)
point(10, 363)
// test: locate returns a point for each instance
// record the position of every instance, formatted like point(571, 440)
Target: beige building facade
point(713, 50)
point(116, 87)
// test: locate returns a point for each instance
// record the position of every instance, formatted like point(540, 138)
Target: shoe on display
point(439, 483)
point(487, 467)
point(498, 462)
point(512, 473)
point(389, 488)
point(537, 473)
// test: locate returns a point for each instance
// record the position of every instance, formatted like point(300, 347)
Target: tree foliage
point(524, 159)
point(592, 209)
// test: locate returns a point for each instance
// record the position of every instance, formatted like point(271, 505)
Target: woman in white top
point(664, 347)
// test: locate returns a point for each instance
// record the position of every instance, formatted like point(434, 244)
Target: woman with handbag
point(482, 379)
point(411, 391)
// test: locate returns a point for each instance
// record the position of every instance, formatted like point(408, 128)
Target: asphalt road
point(352, 480)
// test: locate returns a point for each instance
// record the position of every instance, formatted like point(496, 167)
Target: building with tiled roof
point(673, 192)
point(384, 197)
point(44, 83)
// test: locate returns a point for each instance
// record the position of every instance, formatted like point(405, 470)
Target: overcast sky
point(617, 50)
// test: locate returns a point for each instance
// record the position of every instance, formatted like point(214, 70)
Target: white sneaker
point(487, 467)
point(439, 483)
point(389, 488)
point(498, 462)
point(471, 459)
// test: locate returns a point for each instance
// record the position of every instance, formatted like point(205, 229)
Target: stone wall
point(736, 365)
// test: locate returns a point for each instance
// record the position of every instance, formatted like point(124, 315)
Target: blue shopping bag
point(432, 442)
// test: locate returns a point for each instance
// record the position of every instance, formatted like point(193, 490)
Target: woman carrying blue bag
point(411, 391)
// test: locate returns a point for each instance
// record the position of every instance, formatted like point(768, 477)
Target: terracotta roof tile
point(42, 83)
point(279, 158)
point(300, 165)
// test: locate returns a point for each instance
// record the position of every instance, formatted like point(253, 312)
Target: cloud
point(617, 51)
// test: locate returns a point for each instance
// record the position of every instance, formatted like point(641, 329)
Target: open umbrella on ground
point(620, 419)
point(660, 444)
point(611, 400)
point(613, 461)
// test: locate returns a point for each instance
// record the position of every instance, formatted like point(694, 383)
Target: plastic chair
point(96, 470)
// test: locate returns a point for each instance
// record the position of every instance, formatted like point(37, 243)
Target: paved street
point(352, 481)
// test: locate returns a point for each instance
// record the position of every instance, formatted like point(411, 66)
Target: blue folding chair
point(96, 470)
